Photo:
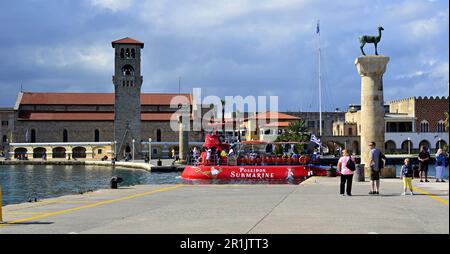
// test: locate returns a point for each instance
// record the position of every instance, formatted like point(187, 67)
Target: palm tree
point(297, 131)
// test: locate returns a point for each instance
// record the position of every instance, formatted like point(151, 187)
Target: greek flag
point(317, 28)
point(315, 140)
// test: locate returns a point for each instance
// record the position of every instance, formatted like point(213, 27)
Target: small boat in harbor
point(249, 165)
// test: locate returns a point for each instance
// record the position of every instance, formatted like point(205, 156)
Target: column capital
point(373, 65)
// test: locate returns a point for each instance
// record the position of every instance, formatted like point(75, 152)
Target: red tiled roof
point(274, 115)
point(94, 98)
point(87, 116)
point(127, 40)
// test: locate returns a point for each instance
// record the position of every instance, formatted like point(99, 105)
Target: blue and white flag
point(315, 140)
point(317, 28)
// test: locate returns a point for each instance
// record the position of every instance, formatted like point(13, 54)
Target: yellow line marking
point(91, 205)
point(25, 213)
point(431, 195)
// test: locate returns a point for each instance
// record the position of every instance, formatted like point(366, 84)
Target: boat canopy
point(212, 140)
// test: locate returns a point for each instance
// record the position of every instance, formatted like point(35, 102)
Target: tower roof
point(127, 40)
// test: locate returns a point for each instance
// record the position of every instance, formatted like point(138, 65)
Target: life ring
point(302, 159)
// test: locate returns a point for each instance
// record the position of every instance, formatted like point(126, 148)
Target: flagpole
point(320, 86)
point(320, 82)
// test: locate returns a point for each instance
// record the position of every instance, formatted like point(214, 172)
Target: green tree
point(297, 131)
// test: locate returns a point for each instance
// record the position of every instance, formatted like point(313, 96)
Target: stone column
point(371, 69)
point(183, 139)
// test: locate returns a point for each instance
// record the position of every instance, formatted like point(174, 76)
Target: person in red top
point(346, 174)
point(203, 158)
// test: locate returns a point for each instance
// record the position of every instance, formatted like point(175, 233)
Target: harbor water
point(20, 183)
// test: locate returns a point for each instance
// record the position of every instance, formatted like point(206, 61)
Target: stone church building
point(126, 117)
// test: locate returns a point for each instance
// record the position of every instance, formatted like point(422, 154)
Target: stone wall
point(405, 106)
point(328, 119)
point(430, 109)
point(84, 131)
point(52, 131)
point(7, 122)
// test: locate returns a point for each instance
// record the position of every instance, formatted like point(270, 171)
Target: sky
point(226, 47)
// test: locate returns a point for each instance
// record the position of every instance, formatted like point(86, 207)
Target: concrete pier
point(313, 207)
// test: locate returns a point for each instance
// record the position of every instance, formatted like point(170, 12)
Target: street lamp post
point(409, 145)
point(133, 149)
point(115, 149)
point(149, 151)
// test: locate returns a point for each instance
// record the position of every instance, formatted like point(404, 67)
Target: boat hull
point(250, 172)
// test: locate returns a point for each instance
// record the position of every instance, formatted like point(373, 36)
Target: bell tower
point(127, 81)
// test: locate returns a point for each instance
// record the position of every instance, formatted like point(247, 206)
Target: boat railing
point(248, 161)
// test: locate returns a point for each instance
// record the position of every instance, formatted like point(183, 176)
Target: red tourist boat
point(249, 166)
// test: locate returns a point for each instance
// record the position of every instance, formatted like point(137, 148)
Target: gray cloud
point(242, 48)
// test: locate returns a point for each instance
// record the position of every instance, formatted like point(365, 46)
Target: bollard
point(388, 172)
point(359, 173)
point(1, 212)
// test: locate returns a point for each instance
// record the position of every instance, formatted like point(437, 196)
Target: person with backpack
point(407, 174)
point(440, 166)
point(376, 163)
point(424, 159)
point(346, 166)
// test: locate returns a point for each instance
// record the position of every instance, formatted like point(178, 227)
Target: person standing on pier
point(440, 166)
point(376, 163)
point(424, 159)
point(346, 173)
point(407, 175)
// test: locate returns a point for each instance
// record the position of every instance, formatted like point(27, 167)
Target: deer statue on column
point(370, 39)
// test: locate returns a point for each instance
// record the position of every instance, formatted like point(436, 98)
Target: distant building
point(312, 121)
point(410, 123)
point(7, 121)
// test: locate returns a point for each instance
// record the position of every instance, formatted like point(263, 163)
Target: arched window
point(441, 126)
point(390, 146)
point(97, 136)
point(33, 136)
point(127, 54)
point(79, 152)
point(424, 126)
point(407, 146)
point(122, 53)
point(350, 131)
point(424, 143)
point(65, 136)
point(133, 53)
point(158, 135)
point(128, 70)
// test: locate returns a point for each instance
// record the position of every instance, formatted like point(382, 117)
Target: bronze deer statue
point(370, 39)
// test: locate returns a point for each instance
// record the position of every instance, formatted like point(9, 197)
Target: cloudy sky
point(226, 47)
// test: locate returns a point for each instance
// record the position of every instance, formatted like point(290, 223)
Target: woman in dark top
point(424, 159)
